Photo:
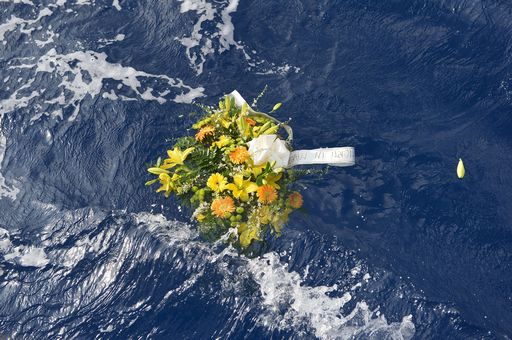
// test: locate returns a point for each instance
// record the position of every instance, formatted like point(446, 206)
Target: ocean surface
point(396, 247)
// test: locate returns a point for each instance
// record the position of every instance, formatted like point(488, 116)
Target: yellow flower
point(239, 155)
point(223, 141)
point(216, 182)
point(241, 188)
point(272, 179)
point(205, 131)
point(257, 170)
point(221, 207)
point(266, 194)
point(225, 123)
point(279, 220)
point(264, 214)
point(295, 200)
point(176, 157)
point(167, 183)
point(248, 234)
point(200, 217)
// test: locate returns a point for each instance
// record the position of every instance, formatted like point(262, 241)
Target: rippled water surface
point(394, 248)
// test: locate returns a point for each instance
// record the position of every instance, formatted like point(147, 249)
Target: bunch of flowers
point(214, 173)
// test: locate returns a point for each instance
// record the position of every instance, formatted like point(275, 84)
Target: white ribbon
point(341, 156)
point(267, 148)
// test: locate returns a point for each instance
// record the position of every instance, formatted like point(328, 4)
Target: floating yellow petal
point(460, 169)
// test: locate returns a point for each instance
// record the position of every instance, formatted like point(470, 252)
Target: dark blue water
point(394, 248)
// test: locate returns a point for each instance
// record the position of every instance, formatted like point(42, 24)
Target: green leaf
point(259, 180)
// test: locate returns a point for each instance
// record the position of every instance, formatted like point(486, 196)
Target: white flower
point(269, 148)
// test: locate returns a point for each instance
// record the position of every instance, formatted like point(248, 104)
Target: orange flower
point(295, 200)
point(205, 131)
point(221, 207)
point(250, 121)
point(239, 155)
point(266, 194)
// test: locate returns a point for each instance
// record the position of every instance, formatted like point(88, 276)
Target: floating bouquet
point(233, 172)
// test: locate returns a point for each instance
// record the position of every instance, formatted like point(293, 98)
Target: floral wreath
point(234, 172)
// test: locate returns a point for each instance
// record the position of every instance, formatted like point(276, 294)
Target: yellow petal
point(164, 177)
point(257, 170)
point(167, 165)
point(237, 193)
point(231, 187)
point(171, 153)
point(187, 152)
point(460, 169)
point(225, 123)
point(248, 235)
point(238, 180)
point(242, 227)
point(251, 187)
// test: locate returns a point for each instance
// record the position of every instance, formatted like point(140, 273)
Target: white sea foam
point(290, 303)
point(28, 2)
point(26, 25)
point(116, 5)
point(27, 256)
point(286, 303)
point(84, 2)
point(204, 42)
point(50, 35)
point(118, 37)
point(83, 73)
point(9, 191)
